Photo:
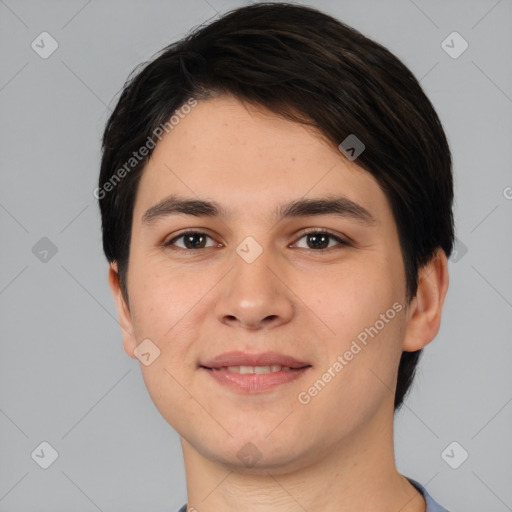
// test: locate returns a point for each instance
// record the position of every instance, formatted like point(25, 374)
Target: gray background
point(64, 376)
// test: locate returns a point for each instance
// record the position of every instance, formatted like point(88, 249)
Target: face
point(325, 287)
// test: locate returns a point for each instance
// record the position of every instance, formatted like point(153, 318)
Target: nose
point(255, 295)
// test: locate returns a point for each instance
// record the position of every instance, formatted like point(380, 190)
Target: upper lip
point(238, 358)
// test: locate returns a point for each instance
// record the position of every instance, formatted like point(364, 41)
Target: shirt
point(432, 505)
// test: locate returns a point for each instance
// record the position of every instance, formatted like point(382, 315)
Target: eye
point(316, 239)
point(321, 240)
point(191, 240)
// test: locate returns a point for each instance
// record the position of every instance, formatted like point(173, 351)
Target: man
point(276, 199)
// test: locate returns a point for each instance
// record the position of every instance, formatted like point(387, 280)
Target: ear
point(123, 311)
point(424, 311)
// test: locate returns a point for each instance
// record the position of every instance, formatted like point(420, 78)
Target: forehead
point(247, 158)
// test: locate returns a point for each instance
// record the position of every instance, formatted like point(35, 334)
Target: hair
point(306, 66)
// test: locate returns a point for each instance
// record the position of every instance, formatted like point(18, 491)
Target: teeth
point(256, 369)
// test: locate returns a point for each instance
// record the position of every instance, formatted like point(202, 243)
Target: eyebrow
point(332, 205)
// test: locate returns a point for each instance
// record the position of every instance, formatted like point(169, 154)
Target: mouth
point(239, 359)
point(260, 370)
point(254, 373)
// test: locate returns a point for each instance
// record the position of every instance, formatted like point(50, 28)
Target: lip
point(253, 382)
point(238, 358)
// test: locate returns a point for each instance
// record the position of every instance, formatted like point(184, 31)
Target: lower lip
point(254, 382)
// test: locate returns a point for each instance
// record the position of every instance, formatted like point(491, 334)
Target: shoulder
point(432, 505)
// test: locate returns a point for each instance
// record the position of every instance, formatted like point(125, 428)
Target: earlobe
point(424, 315)
point(123, 311)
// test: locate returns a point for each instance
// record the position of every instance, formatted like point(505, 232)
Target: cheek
point(364, 308)
point(152, 307)
point(166, 306)
point(348, 300)
point(365, 312)
point(162, 311)
point(160, 294)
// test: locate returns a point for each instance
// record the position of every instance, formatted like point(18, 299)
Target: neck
point(357, 474)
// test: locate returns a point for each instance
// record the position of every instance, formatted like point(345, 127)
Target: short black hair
point(309, 67)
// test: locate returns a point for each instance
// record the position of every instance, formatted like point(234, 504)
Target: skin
point(336, 452)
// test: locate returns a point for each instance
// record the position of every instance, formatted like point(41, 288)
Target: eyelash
point(311, 231)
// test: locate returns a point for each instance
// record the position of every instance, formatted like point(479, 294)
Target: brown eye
point(321, 240)
point(191, 240)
